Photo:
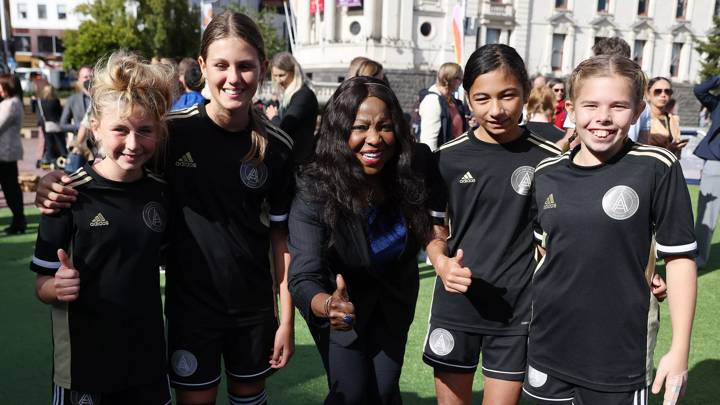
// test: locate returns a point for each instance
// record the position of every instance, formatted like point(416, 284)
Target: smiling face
point(496, 100)
point(603, 110)
point(372, 138)
point(283, 78)
point(128, 142)
point(232, 70)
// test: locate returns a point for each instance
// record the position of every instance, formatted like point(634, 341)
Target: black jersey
point(218, 267)
point(486, 190)
point(110, 338)
point(591, 296)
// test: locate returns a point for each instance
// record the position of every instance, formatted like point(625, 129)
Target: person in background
point(665, 126)
point(558, 88)
point(708, 204)
point(442, 116)
point(49, 112)
point(355, 65)
point(11, 150)
point(191, 81)
point(298, 105)
point(540, 109)
point(74, 114)
point(538, 80)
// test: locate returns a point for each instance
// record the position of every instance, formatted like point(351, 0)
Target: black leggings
point(367, 371)
point(11, 189)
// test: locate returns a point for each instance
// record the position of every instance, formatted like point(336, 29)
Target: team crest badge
point(83, 398)
point(620, 202)
point(536, 378)
point(154, 216)
point(184, 363)
point(521, 179)
point(253, 176)
point(441, 342)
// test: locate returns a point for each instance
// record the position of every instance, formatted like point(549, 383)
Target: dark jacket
point(388, 297)
point(709, 147)
point(298, 120)
point(52, 111)
point(74, 110)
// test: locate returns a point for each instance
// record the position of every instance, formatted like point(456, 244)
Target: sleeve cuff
point(279, 218)
point(675, 250)
point(44, 267)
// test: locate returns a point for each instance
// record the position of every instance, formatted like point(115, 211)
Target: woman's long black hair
point(334, 176)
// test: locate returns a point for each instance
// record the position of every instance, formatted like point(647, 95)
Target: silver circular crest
point(441, 342)
point(521, 179)
point(536, 378)
point(84, 398)
point(620, 202)
point(154, 216)
point(183, 363)
point(253, 176)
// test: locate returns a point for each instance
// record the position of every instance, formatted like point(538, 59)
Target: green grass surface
point(25, 345)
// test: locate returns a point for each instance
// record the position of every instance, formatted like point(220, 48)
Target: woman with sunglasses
point(664, 126)
point(558, 88)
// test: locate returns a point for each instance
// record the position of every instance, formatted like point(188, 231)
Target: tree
point(109, 28)
point(170, 28)
point(710, 48)
point(264, 19)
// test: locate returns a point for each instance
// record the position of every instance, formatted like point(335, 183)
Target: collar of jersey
point(622, 152)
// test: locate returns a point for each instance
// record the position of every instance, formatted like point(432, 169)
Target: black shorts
point(195, 353)
point(156, 393)
point(544, 389)
point(503, 357)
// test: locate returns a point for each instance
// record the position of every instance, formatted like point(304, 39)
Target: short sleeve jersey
point(591, 296)
point(484, 190)
point(112, 337)
point(218, 267)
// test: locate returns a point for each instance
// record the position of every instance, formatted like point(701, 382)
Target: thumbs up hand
point(339, 309)
point(455, 276)
point(67, 279)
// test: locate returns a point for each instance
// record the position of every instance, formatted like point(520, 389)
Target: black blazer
point(298, 120)
point(389, 297)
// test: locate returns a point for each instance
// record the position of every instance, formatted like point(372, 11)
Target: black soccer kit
point(219, 278)
point(110, 339)
point(485, 190)
point(591, 296)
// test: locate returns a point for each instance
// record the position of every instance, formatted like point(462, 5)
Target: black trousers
point(54, 146)
point(11, 189)
point(366, 371)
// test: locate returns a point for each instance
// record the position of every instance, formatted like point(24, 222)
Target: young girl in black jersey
point(229, 174)
point(483, 255)
point(599, 207)
point(97, 262)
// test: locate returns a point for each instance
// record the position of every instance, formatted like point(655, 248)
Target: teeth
point(601, 133)
point(372, 155)
point(232, 92)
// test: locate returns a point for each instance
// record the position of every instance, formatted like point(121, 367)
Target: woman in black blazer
point(356, 225)
point(297, 115)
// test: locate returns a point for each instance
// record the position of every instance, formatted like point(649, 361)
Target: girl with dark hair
point(11, 150)
point(481, 300)
point(224, 164)
point(664, 125)
point(298, 111)
point(356, 225)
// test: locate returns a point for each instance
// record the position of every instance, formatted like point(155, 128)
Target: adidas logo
point(186, 161)
point(550, 202)
point(99, 220)
point(467, 178)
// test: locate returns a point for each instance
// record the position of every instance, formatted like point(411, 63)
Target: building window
point(716, 13)
point(45, 44)
point(675, 59)
point(558, 43)
point(643, 7)
point(561, 4)
point(59, 48)
point(425, 29)
point(603, 6)
point(22, 43)
point(681, 9)
point(62, 11)
point(22, 10)
point(492, 36)
point(355, 27)
point(638, 51)
point(42, 11)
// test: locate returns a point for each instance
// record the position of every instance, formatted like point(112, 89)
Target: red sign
point(314, 6)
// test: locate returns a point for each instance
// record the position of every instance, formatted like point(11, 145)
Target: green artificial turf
point(25, 345)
